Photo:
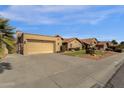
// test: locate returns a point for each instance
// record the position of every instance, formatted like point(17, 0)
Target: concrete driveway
point(51, 70)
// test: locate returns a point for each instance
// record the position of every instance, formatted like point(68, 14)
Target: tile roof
point(109, 43)
point(88, 41)
point(68, 40)
point(101, 43)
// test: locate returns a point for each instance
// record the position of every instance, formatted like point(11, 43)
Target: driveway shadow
point(5, 66)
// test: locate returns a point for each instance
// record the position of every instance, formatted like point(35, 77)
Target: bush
point(120, 46)
point(90, 51)
point(74, 49)
point(77, 49)
point(109, 49)
point(118, 50)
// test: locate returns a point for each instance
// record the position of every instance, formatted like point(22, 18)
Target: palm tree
point(6, 34)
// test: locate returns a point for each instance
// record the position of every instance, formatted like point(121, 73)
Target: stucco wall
point(105, 46)
point(94, 42)
point(58, 44)
point(75, 44)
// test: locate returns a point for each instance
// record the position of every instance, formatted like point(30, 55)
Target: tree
point(6, 34)
point(90, 50)
point(122, 43)
point(114, 42)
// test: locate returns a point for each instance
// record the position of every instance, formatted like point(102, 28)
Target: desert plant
point(90, 50)
point(109, 49)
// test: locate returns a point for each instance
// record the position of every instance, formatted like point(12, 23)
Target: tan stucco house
point(34, 44)
point(89, 42)
point(72, 44)
point(101, 46)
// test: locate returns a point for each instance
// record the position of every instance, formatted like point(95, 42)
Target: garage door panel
point(40, 47)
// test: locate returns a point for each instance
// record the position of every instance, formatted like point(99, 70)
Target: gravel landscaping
point(98, 54)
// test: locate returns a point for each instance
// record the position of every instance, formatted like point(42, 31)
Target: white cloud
point(64, 8)
point(59, 14)
point(27, 14)
point(38, 14)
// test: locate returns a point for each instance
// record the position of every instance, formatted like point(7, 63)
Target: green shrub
point(120, 46)
point(109, 49)
point(90, 51)
point(118, 50)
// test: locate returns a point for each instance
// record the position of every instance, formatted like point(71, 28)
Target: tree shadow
point(5, 66)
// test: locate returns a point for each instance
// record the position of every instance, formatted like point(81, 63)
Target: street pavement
point(58, 71)
point(117, 81)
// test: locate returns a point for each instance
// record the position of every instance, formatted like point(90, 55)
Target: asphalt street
point(117, 81)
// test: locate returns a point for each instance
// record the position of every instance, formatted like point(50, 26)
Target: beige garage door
point(37, 47)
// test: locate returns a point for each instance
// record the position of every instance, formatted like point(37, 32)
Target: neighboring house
point(101, 46)
point(110, 44)
point(89, 42)
point(106, 44)
point(35, 44)
point(71, 44)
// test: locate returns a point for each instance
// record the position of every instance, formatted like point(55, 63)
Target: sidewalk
point(71, 73)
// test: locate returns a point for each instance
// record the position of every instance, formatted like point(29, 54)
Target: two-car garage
point(39, 46)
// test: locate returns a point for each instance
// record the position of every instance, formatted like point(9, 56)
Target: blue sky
point(102, 22)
